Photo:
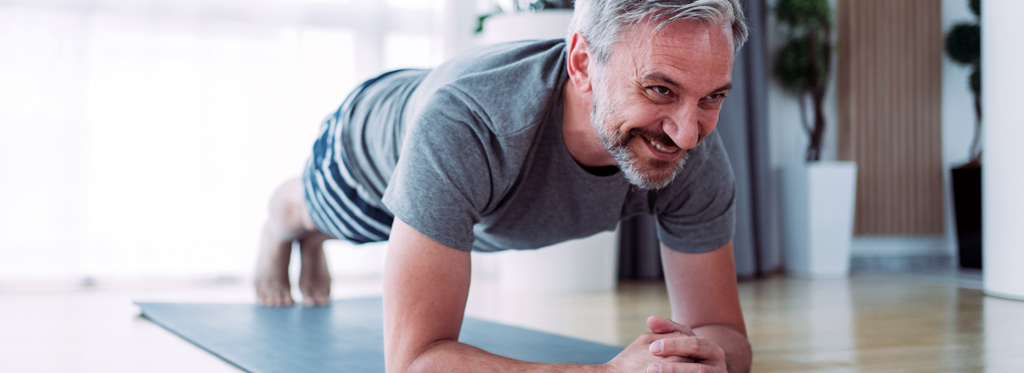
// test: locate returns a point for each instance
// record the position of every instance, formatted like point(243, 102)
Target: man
point(522, 145)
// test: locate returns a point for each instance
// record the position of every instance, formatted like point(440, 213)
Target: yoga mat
point(345, 337)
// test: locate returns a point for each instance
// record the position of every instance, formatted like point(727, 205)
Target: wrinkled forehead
point(685, 39)
point(691, 56)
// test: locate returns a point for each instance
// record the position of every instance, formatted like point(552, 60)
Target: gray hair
point(601, 22)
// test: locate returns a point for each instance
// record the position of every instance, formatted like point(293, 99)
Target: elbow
point(403, 362)
point(742, 357)
point(415, 360)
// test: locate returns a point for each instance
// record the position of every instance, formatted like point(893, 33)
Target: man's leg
point(272, 285)
point(314, 278)
point(288, 222)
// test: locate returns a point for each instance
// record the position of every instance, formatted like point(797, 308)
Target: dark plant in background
point(535, 5)
point(802, 64)
point(525, 6)
point(963, 45)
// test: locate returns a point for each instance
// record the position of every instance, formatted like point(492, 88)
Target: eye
point(660, 90)
point(715, 97)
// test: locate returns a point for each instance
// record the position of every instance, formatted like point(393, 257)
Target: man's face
point(659, 95)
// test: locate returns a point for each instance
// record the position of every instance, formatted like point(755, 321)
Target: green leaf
point(963, 43)
point(804, 13)
point(793, 66)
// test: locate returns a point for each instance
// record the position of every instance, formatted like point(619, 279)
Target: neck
point(581, 139)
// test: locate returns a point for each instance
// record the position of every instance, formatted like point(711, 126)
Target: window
point(143, 138)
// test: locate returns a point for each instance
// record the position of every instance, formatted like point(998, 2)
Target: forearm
point(425, 289)
point(737, 348)
point(452, 356)
point(704, 295)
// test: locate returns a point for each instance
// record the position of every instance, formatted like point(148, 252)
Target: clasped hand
point(669, 347)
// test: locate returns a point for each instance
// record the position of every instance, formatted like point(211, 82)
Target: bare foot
point(273, 288)
point(314, 277)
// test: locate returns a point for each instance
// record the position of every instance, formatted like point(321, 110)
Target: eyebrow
point(665, 78)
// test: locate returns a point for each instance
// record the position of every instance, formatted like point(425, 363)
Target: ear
point(579, 62)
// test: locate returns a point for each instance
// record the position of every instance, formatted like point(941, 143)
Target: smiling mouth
point(660, 145)
point(670, 149)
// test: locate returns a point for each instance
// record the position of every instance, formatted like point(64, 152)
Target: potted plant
point(963, 45)
point(520, 6)
point(818, 195)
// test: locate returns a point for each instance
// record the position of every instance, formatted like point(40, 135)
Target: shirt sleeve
point(442, 180)
point(701, 217)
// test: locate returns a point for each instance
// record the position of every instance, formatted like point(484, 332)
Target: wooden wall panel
point(889, 92)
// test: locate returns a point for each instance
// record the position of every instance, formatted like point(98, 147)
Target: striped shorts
point(332, 197)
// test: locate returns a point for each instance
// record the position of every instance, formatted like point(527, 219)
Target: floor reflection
point(860, 324)
point(878, 324)
point(1003, 334)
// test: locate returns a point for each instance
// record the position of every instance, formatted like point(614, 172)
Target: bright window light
point(317, 1)
point(327, 71)
point(408, 51)
point(413, 4)
point(139, 144)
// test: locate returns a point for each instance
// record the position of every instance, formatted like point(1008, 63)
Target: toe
point(285, 299)
point(316, 301)
point(276, 299)
point(264, 298)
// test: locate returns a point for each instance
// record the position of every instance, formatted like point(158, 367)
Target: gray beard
point(619, 148)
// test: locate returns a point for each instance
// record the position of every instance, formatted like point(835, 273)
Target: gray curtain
point(743, 128)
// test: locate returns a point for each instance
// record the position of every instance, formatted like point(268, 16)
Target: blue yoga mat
point(344, 337)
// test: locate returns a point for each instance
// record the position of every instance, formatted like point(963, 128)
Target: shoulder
point(696, 212)
point(707, 165)
point(507, 88)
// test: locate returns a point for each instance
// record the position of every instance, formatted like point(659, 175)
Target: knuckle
point(648, 338)
point(681, 345)
point(678, 359)
point(719, 351)
point(707, 369)
point(690, 344)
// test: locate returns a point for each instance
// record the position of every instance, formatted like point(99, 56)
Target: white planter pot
point(577, 266)
point(818, 205)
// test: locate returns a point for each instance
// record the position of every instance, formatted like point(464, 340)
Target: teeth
point(661, 148)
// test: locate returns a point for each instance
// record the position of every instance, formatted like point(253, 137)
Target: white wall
point(1003, 177)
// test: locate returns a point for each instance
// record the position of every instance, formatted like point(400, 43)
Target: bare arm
point(703, 292)
point(425, 289)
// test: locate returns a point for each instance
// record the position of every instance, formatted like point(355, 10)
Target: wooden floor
point(861, 324)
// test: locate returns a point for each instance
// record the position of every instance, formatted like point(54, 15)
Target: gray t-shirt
point(483, 165)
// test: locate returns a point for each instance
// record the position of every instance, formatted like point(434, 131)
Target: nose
point(683, 126)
